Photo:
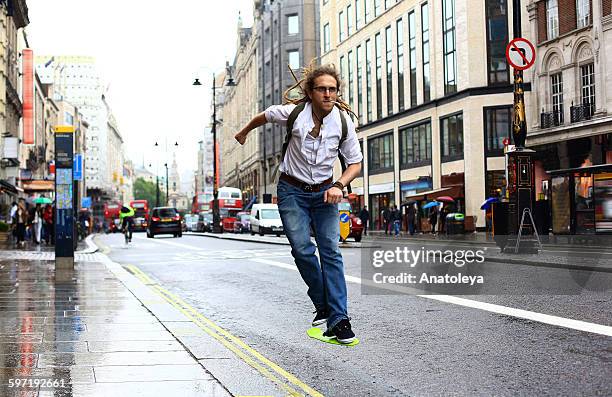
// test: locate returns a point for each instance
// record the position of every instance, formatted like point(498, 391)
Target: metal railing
point(581, 112)
point(551, 119)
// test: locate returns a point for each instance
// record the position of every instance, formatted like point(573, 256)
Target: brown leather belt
point(302, 185)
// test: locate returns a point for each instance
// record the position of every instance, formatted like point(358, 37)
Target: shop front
point(581, 200)
point(380, 197)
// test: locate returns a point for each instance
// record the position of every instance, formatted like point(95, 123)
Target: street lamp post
point(216, 218)
point(166, 165)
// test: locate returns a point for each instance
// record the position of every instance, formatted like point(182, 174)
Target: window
point(450, 55)
point(412, 59)
point(376, 8)
point(366, 10)
point(293, 24)
point(582, 13)
point(359, 84)
point(497, 39)
point(350, 79)
point(389, 59)
point(326, 38)
point(400, 63)
point(425, 38)
point(342, 68)
point(587, 74)
point(294, 59)
point(556, 83)
point(498, 126)
point(378, 52)
point(415, 145)
point(349, 20)
point(357, 15)
point(341, 26)
point(552, 18)
point(368, 76)
point(451, 137)
point(380, 153)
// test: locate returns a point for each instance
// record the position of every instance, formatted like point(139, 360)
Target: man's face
point(324, 93)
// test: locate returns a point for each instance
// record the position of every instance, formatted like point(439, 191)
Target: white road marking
point(191, 247)
point(499, 309)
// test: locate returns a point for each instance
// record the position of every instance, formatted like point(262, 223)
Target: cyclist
point(127, 221)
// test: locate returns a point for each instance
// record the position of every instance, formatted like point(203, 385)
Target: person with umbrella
point(433, 214)
point(126, 214)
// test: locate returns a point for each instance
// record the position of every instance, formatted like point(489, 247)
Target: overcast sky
point(149, 51)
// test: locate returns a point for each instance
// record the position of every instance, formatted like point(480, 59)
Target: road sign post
point(64, 208)
point(345, 224)
point(520, 168)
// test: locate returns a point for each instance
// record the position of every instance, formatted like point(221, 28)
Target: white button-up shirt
point(310, 159)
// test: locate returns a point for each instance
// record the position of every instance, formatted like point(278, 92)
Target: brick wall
point(567, 16)
point(606, 7)
point(542, 21)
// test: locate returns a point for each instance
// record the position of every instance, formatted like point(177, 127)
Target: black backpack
point(291, 120)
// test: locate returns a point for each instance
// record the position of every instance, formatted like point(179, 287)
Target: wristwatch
point(339, 185)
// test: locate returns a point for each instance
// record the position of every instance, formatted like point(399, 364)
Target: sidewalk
point(84, 333)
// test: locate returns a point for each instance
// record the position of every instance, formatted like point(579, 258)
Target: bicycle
point(127, 232)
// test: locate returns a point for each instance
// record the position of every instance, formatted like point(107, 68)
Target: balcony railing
point(551, 119)
point(581, 112)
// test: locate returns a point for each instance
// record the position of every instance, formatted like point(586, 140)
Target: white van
point(265, 218)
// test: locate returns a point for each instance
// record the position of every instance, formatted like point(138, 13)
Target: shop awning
point(7, 187)
point(38, 186)
point(431, 194)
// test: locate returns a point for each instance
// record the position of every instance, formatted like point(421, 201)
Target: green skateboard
point(317, 333)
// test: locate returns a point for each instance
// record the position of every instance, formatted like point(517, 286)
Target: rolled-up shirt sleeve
point(278, 114)
point(350, 147)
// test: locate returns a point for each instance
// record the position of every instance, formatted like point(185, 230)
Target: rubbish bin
point(455, 223)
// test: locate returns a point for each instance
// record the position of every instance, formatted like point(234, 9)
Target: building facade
point(77, 80)
point(13, 18)
point(570, 119)
point(242, 164)
point(433, 94)
point(288, 36)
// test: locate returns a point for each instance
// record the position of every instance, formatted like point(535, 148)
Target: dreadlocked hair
point(306, 84)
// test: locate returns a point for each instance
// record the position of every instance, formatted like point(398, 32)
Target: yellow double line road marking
point(250, 356)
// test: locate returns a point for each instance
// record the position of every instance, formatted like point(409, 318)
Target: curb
point(238, 238)
point(601, 269)
point(91, 246)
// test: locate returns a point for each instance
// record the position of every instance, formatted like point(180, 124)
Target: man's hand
point(241, 137)
point(333, 195)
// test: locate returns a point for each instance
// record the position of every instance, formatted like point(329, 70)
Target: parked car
point(356, 225)
point(243, 222)
point(265, 218)
point(205, 222)
point(164, 220)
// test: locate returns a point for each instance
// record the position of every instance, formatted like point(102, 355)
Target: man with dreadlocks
point(306, 194)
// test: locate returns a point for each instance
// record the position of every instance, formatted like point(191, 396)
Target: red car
point(356, 225)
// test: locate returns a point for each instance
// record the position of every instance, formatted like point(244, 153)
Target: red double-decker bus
point(201, 202)
point(230, 203)
point(141, 214)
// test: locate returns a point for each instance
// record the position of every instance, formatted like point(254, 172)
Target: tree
point(145, 190)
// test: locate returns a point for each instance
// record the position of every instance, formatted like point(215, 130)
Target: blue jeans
point(299, 210)
point(396, 227)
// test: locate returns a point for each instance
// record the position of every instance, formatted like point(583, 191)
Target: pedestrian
point(37, 224)
point(396, 219)
point(48, 224)
point(387, 220)
point(364, 215)
point(411, 218)
point(433, 218)
point(319, 128)
point(12, 220)
point(21, 221)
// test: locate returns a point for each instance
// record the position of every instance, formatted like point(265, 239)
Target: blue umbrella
point(487, 203)
point(431, 204)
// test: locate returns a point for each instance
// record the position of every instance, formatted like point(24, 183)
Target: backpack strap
point(290, 121)
point(342, 139)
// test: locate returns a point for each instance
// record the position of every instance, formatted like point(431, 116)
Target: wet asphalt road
point(410, 345)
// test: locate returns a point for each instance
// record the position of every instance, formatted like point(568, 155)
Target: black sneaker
point(342, 332)
point(320, 318)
